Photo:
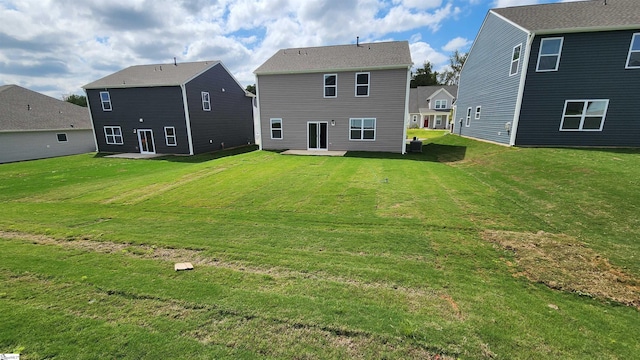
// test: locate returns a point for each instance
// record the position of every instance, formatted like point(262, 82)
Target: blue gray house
point(562, 74)
point(179, 108)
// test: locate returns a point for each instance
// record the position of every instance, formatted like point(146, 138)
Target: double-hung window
point(478, 108)
point(633, 59)
point(549, 56)
point(113, 135)
point(515, 60)
point(206, 101)
point(330, 85)
point(362, 84)
point(276, 128)
point(170, 136)
point(362, 129)
point(105, 99)
point(441, 104)
point(467, 123)
point(584, 115)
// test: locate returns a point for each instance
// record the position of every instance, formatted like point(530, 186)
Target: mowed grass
point(365, 256)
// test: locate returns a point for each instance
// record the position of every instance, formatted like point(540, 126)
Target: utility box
point(415, 146)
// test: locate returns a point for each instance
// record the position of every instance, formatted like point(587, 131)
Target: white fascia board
point(187, 119)
point(93, 129)
point(523, 79)
point(510, 22)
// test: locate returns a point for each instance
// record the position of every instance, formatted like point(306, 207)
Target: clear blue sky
point(55, 47)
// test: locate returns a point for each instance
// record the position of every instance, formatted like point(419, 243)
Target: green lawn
point(466, 250)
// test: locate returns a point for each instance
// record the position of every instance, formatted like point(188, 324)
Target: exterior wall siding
point(30, 145)
point(157, 106)
point(592, 66)
point(299, 98)
point(485, 81)
point(230, 120)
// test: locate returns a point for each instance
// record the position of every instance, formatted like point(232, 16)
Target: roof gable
point(153, 75)
point(370, 56)
point(418, 96)
point(590, 15)
point(25, 110)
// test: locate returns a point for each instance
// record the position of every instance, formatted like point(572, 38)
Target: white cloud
point(57, 46)
point(508, 3)
point(458, 43)
point(422, 52)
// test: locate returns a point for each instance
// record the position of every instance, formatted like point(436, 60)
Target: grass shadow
point(430, 152)
point(198, 158)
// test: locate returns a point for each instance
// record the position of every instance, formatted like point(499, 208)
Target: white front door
point(145, 140)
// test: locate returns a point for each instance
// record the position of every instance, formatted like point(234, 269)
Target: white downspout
point(186, 117)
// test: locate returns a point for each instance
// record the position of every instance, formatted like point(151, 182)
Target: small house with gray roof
point(430, 106)
point(37, 126)
point(561, 74)
point(343, 98)
point(180, 108)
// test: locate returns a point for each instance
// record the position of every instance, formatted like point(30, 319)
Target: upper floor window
point(362, 129)
point(206, 101)
point(106, 100)
point(633, 60)
point(362, 84)
point(478, 108)
point(441, 104)
point(330, 85)
point(549, 56)
point(113, 134)
point(467, 123)
point(584, 115)
point(515, 60)
point(170, 136)
point(276, 128)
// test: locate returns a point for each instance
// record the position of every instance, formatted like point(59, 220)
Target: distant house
point(36, 126)
point(345, 97)
point(562, 74)
point(179, 108)
point(430, 106)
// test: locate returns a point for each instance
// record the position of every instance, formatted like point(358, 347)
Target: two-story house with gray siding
point(345, 97)
point(562, 74)
point(430, 106)
point(180, 108)
point(36, 126)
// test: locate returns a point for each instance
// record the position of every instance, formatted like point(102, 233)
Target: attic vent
point(28, 107)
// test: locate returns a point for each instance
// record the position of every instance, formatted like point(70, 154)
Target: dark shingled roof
point(575, 16)
point(25, 110)
point(369, 56)
point(153, 75)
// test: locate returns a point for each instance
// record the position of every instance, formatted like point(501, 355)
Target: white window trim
point(375, 132)
point(108, 101)
point(115, 137)
point(325, 86)
point(635, 37)
point(443, 104)
point(438, 120)
point(467, 122)
point(559, 54)
point(206, 104)
point(271, 121)
point(584, 115)
point(516, 60)
point(478, 110)
point(66, 137)
point(368, 84)
point(167, 136)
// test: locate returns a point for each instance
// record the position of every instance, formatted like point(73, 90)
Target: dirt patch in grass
point(561, 262)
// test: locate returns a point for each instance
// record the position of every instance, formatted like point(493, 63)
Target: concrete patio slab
point(314, 152)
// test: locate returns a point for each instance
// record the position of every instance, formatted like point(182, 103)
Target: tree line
point(426, 76)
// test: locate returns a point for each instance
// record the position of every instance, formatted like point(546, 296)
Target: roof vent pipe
point(357, 40)
point(175, 62)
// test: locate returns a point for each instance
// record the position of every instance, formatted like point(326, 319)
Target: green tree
point(251, 89)
point(76, 99)
point(451, 76)
point(424, 76)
